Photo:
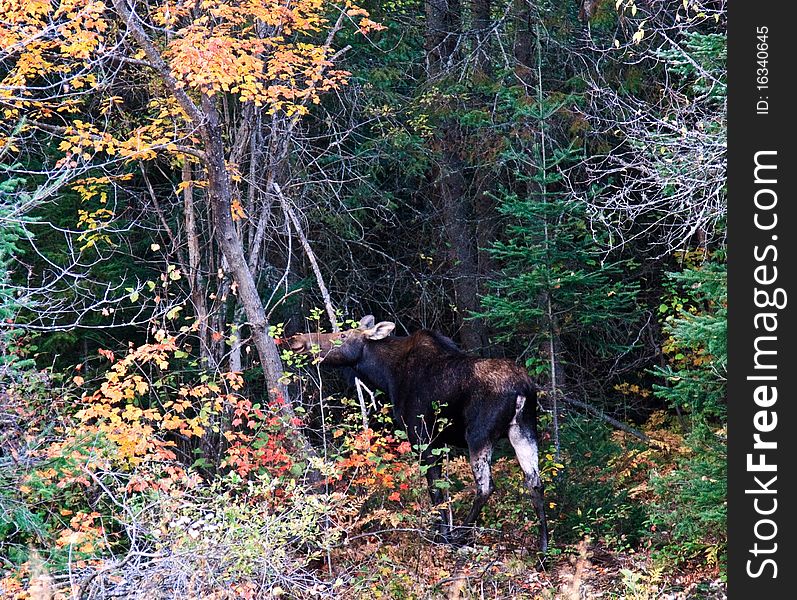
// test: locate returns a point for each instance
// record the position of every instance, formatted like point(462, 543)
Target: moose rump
point(430, 382)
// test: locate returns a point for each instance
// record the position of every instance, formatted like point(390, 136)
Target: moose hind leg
point(524, 441)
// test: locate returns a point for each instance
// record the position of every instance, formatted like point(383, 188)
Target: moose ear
point(367, 322)
point(380, 331)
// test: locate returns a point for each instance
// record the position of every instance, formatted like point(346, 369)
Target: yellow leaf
point(237, 210)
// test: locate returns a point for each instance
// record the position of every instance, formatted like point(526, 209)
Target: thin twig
point(297, 226)
point(611, 420)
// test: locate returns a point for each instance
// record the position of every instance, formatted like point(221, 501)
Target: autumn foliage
point(375, 462)
point(261, 51)
point(184, 181)
point(60, 59)
point(127, 436)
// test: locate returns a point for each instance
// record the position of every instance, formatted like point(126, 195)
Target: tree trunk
point(523, 46)
point(236, 363)
point(555, 362)
point(557, 375)
point(195, 282)
point(443, 29)
point(220, 194)
point(460, 234)
point(480, 10)
point(206, 120)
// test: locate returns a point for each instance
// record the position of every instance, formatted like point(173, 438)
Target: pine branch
point(610, 420)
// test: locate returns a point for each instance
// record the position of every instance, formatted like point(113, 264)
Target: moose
point(429, 381)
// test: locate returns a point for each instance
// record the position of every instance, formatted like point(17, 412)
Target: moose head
point(341, 348)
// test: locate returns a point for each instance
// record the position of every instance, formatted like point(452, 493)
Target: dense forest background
point(185, 183)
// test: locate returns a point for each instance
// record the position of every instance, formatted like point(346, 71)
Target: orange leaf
point(237, 210)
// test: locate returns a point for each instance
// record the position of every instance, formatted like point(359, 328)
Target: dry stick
point(84, 585)
point(611, 420)
point(297, 226)
point(360, 386)
point(162, 217)
point(281, 300)
point(324, 294)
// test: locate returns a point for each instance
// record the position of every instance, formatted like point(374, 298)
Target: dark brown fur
point(430, 382)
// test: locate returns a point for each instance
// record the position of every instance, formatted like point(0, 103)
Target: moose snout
point(298, 343)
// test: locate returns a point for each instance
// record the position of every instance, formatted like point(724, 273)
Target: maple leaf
point(237, 210)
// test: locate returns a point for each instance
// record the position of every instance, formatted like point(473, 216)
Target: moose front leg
point(434, 473)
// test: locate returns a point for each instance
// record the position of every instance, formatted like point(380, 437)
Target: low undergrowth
point(108, 489)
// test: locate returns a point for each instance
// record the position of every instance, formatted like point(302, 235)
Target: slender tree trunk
point(443, 31)
point(557, 373)
point(480, 10)
point(524, 55)
point(195, 280)
point(220, 193)
point(236, 364)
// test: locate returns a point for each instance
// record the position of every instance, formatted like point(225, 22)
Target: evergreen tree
point(552, 284)
point(697, 345)
point(690, 508)
point(10, 233)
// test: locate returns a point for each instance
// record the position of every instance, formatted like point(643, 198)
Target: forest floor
point(360, 540)
point(502, 560)
point(502, 566)
point(406, 566)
